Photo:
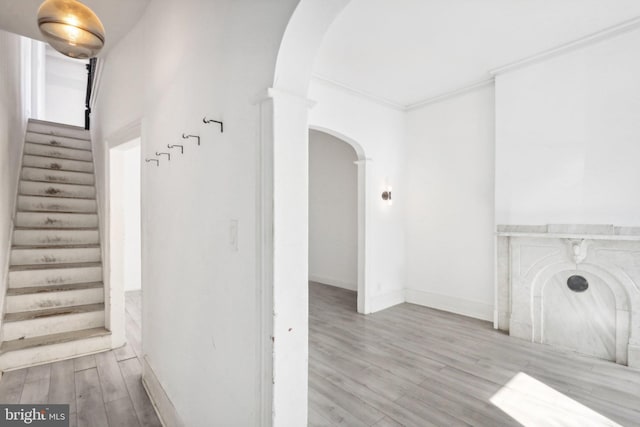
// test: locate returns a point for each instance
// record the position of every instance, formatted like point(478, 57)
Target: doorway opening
point(125, 253)
point(333, 212)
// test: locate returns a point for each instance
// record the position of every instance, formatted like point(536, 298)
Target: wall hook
point(165, 154)
point(153, 160)
point(191, 136)
point(204, 120)
point(176, 145)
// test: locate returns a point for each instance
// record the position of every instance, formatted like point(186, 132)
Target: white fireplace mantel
point(534, 301)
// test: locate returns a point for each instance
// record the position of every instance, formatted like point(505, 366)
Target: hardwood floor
point(102, 390)
point(404, 366)
point(414, 366)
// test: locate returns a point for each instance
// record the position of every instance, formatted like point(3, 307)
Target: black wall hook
point(164, 154)
point(204, 120)
point(191, 136)
point(153, 160)
point(176, 145)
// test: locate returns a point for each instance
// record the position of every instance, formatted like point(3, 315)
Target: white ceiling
point(117, 16)
point(406, 51)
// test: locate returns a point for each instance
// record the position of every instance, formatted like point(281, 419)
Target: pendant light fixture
point(71, 28)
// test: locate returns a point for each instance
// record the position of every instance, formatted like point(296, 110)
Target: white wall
point(378, 132)
point(450, 210)
point(12, 127)
point(66, 86)
point(203, 331)
point(333, 212)
point(568, 137)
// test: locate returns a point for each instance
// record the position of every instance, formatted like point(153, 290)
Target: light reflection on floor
point(533, 403)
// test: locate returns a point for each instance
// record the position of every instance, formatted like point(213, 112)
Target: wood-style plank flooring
point(413, 366)
point(103, 390)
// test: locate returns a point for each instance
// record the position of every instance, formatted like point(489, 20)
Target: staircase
point(54, 306)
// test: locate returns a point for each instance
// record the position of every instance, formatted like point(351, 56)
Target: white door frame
point(114, 290)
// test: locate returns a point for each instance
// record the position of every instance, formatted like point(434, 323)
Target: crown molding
point(450, 94)
point(399, 107)
point(607, 33)
point(360, 93)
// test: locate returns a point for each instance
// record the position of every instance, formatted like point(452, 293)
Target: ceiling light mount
point(71, 28)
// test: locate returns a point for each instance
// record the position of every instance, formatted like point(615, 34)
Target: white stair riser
point(57, 190)
point(52, 325)
point(54, 276)
point(57, 164)
point(56, 220)
point(55, 237)
point(53, 204)
point(58, 141)
point(62, 177)
point(44, 300)
point(57, 152)
point(54, 256)
point(53, 129)
point(51, 353)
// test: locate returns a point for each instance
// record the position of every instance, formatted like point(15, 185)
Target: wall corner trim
point(386, 300)
point(469, 308)
point(159, 398)
point(604, 34)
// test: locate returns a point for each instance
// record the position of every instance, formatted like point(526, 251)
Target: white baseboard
point(475, 309)
point(161, 402)
point(338, 283)
point(389, 299)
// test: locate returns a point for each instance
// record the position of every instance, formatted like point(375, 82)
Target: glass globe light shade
point(71, 28)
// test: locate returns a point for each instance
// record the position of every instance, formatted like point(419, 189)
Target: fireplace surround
point(576, 287)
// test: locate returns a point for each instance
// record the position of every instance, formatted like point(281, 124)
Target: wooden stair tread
point(32, 267)
point(81, 212)
point(21, 344)
point(55, 158)
point(51, 312)
point(53, 288)
point(57, 182)
point(54, 197)
point(58, 170)
point(55, 135)
point(59, 144)
point(56, 228)
point(53, 125)
point(55, 169)
point(57, 197)
point(22, 247)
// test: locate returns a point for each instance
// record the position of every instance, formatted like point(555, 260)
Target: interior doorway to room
point(125, 235)
point(333, 213)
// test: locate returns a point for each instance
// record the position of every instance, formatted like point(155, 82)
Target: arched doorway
point(284, 194)
point(362, 199)
point(337, 212)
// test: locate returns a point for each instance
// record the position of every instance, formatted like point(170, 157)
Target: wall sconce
point(71, 28)
point(386, 195)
